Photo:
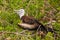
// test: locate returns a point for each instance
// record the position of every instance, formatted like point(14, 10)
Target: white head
point(20, 12)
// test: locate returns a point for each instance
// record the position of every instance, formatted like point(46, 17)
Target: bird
point(29, 22)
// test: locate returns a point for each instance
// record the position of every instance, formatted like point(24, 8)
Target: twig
point(39, 28)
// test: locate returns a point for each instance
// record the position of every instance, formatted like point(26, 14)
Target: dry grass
point(46, 11)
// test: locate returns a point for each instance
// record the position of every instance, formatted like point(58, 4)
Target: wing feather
point(28, 20)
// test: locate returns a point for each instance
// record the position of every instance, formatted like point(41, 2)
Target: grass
point(36, 8)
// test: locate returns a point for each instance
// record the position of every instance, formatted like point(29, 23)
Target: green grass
point(9, 19)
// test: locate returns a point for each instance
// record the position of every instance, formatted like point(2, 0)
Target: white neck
point(20, 15)
point(21, 12)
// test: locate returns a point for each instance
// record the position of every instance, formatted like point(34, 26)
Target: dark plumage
point(32, 21)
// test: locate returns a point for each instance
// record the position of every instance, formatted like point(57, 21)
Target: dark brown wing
point(28, 20)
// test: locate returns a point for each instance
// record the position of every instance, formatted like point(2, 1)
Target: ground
point(43, 10)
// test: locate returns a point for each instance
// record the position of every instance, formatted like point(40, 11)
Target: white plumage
point(20, 12)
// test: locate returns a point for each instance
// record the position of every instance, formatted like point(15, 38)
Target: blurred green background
point(42, 10)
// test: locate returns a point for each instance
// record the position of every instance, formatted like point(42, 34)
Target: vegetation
point(44, 10)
